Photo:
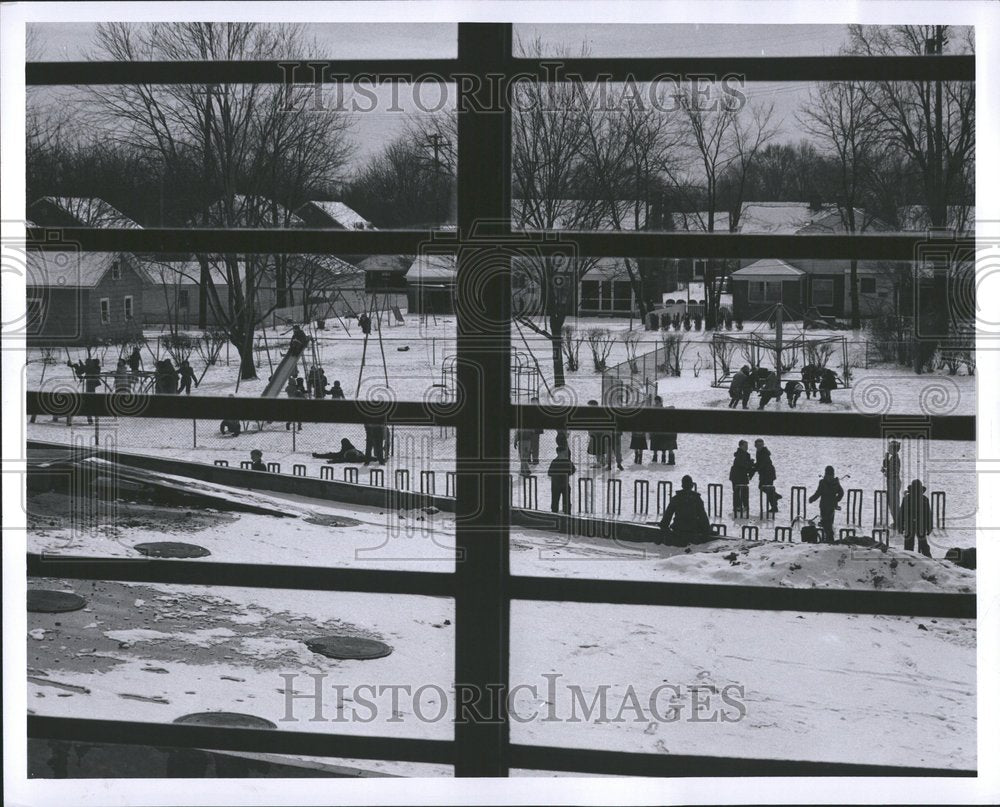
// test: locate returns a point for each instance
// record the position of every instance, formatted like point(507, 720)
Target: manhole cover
point(171, 549)
point(45, 601)
point(331, 521)
point(229, 720)
point(348, 647)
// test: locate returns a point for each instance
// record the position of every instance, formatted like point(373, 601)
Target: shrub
point(601, 342)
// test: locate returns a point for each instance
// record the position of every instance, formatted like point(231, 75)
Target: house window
point(128, 308)
point(182, 299)
point(764, 291)
point(699, 269)
point(116, 270)
point(105, 311)
point(622, 291)
point(590, 293)
point(822, 292)
point(867, 285)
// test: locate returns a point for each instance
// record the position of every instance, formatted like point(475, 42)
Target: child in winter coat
point(560, 470)
point(829, 492)
point(914, 518)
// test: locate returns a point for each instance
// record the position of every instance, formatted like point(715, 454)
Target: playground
point(414, 360)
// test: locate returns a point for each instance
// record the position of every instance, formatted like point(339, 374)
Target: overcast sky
point(74, 41)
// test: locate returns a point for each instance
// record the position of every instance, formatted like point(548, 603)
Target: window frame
point(482, 585)
point(104, 310)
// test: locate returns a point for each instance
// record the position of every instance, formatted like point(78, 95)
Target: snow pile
point(797, 565)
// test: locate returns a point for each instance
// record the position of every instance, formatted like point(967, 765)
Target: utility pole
point(438, 145)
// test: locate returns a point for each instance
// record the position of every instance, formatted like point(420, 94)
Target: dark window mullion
point(482, 602)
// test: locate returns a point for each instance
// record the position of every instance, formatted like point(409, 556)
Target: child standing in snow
point(560, 470)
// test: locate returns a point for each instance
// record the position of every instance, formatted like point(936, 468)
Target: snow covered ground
point(812, 684)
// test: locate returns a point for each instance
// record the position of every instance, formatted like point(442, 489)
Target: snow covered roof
point(697, 221)
point(85, 211)
point(337, 213)
point(767, 268)
point(777, 218)
point(580, 214)
point(432, 269)
point(70, 269)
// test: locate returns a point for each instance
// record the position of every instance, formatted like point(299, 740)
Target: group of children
point(818, 381)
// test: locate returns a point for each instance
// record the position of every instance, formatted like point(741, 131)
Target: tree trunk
point(855, 298)
point(244, 346)
point(555, 328)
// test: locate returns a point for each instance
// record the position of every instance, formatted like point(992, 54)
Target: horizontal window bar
point(306, 71)
point(438, 584)
point(415, 413)
point(564, 243)
point(620, 244)
point(208, 407)
point(753, 598)
point(622, 763)
point(752, 68)
point(246, 241)
point(241, 575)
point(725, 421)
point(306, 743)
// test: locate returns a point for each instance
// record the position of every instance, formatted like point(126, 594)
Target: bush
point(687, 322)
point(697, 322)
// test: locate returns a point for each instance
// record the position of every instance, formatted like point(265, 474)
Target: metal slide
point(277, 383)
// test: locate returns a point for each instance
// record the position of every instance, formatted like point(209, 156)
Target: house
point(172, 292)
point(430, 284)
point(78, 211)
point(758, 287)
point(79, 298)
point(822, 285)
point(332, 215)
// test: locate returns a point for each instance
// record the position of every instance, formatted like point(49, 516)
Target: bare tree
point(257, 147)
point(839, 115)
point(933, 123)
point(554, 190)
point(723, 140)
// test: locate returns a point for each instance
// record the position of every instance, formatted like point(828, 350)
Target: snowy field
point(170, 650)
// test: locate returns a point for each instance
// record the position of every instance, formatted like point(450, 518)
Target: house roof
point(432, 269)
point(87, 211)
point(778, 218)
point(69, 269)
point(767, 268)
point(338, 213)
point(581, 214)
point(697, 221)
point(384, 263)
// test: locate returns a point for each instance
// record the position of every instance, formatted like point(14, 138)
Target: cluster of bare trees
point(224, 155)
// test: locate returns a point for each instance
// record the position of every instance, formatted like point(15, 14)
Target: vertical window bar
point(482, 604)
